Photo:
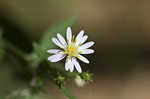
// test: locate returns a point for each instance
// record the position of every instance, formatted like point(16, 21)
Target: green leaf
point(40, 54)
point(40, 50)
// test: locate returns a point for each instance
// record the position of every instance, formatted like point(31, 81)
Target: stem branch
point(66, 92)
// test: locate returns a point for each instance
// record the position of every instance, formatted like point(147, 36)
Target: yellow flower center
point(71, 49)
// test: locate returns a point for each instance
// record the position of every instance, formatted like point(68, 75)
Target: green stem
point(66, 92)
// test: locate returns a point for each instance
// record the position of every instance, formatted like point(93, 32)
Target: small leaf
point(39, 52)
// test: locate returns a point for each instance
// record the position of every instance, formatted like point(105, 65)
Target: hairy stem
point(66, 92)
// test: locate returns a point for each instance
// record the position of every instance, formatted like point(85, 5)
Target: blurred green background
point(120, 28)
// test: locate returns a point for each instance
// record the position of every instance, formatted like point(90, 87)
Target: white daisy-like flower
point(72, 49)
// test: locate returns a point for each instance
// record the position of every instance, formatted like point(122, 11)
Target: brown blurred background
point(120, 28)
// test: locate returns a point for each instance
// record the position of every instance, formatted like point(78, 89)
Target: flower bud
point(79, 81)
point(60, 79)
point(86, 76)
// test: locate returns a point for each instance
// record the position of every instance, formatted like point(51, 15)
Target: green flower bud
point(86, 76)
point(60, 79)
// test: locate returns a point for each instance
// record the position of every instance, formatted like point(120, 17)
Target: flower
point(72, 49)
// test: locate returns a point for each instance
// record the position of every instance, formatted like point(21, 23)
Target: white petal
point(69, 65)
point(53, 51)
point(86, 45)
point(56, 57)
point(61, 39)
point(86, 51)
point(69, 35)
point(55, 41)
point(79, 37)
point(84, 39)
point(77, 65)
point(82, 58)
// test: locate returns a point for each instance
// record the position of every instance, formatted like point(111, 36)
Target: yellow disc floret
point(71, 49)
